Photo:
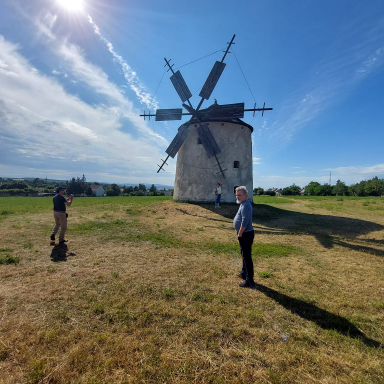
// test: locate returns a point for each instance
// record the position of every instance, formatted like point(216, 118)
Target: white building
point(98, 190)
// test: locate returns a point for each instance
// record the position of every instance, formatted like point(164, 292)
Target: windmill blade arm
point(227, 110)
point(212, 80)
point(208, 141)
point(178, 141)
point(168, 114)
point(181, 86)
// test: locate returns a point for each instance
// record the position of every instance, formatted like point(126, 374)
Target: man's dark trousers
point(245, 242)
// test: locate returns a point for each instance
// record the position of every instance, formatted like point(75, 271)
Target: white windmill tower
point(213, 145)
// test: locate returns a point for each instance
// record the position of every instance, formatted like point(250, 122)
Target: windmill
point(199, 118)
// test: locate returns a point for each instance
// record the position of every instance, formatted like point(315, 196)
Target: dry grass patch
point(146, 291)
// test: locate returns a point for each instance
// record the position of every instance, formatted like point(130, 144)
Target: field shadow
point(60, 253)
point(328, 230)
point(321, 317)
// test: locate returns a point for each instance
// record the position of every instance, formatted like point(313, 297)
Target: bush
point(12, 192)
point(110, 192)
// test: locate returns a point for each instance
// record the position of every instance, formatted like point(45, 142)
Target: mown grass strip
point(259, 250)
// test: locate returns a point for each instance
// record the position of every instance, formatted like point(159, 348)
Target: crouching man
point(60, 214)
point(245, 234)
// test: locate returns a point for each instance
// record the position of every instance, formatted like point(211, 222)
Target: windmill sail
point(208, 141)
point(180, 86)
point(212, 80)
point(178, 141)
point(227, 111)
point(168, 114)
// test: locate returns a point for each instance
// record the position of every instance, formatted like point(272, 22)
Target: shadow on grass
point(326, 229)
point(321, 317)
point(60, 253)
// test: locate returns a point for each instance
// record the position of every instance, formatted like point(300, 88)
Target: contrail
point(131, 77)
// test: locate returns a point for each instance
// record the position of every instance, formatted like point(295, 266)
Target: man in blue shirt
point(245, 234)
point(60, 215)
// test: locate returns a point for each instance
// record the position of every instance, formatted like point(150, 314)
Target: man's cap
point(58, 189)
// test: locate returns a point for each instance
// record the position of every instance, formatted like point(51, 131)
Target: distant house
point(277, 191)
point(98, 190)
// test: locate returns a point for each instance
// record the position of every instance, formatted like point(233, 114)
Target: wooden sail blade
point(212, 80)
point(180, 86)
point(168, 114)
point(208, 141)
point(227, 110)
point(178, 141)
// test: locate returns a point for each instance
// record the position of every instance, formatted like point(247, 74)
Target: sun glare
point(72, 5)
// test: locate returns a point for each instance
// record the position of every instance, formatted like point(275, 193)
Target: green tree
point(340, 189)
point(75, 186)
point(359, 188)
point(128, 190)
point(88, 192)
point(153, 190)
point(142, 187)
point(110, 192)
point(116, 189)
point(36, 182)
point(258, 191)
point(313, 188)
point(374, 187)
point(18, 184)
point(291, 190)
point(324, 190)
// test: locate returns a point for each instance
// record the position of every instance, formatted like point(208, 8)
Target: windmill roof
point(208, 114)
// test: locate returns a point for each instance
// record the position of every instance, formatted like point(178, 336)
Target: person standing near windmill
point(245, 234)
point(218, 194)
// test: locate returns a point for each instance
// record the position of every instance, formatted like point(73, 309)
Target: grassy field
point(145, 291)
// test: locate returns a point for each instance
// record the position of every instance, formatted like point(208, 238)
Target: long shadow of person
point(328, 230)
point(60, 253)
point(321, 317)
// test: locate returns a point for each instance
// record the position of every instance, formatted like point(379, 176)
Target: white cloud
point(40, 121)
point(130, 75)
point(97, 79)
point(358, 172)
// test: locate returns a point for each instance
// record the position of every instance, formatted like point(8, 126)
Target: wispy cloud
point(362, 171)
point(331, 81)
point(130, 76)
point(86, 137)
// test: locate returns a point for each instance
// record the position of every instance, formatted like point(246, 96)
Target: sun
point(71, 5)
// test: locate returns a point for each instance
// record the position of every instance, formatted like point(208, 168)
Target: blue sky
point(75, 76)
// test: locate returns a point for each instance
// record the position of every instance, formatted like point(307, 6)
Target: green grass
point(157, 301)
point(9, 259)
point(259, 250)
point(264, 199)
point(264, 274)
point(5, 212)
point(28, 205)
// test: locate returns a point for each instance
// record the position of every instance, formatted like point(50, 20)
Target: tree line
point(78, 186)
point(372, 187)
